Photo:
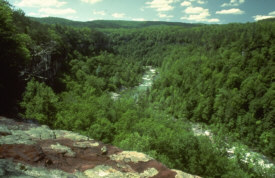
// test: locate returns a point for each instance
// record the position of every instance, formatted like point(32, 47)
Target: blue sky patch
point(188, 11)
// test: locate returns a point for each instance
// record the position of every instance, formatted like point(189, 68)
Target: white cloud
point(196, 10)
point(197, 17)
point(40, 3)
point(262, 17)
point(230, 11)
point(161, 5)
point(198, 14)
point(161, 15)
point(102, 13)
point(198, 1)
point(138, 19)
point(189, 2)
point(186, 3)
point(118, 15)
point(91, 1)
point(233, 3)
point(54, 12)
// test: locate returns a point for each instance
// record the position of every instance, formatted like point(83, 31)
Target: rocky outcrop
point(30, 150)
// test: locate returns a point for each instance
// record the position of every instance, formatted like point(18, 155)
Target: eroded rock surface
point(30, 150)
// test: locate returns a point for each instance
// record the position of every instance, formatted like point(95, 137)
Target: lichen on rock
point(63, 149)
point(109, 172)
point(11, 169)
point(17, 137)
point(181, 174)
point(4, 130)
point(149, 172)
point(41, 133)
point(130, 156)
point(104, 150)
point(85, 144)
point(28, 137)
point(70, 135)
point(30, 150)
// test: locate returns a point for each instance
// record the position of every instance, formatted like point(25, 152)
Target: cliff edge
point(31, 150)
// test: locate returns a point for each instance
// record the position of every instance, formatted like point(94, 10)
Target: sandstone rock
point(30, 150)
point(11, 169)
point(104, 150)
point(17, 137)
point(181, 174)
point(109, 172)
point(63, 149)
point(42, 133)
point(70, 135)
point(130, 156)
point(4, 131)
point(85, 144)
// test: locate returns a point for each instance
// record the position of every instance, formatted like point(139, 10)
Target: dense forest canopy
point(109, 23)
point(62, 72)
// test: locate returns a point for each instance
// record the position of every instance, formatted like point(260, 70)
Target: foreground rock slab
point(31, 150)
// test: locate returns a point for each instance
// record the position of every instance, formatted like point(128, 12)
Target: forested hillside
point(222, 76)
point(103, 24)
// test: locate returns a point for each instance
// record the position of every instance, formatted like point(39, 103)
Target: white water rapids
point(247, 156)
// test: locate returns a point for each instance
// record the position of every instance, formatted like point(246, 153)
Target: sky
point(187, 11)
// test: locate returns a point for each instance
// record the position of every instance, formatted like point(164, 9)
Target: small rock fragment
point(104, 150)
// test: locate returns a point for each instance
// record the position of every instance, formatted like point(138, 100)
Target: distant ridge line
point(109, 23)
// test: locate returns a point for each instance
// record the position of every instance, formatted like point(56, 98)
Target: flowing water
point(147, 79)
point(146, 83)
point(248, 156)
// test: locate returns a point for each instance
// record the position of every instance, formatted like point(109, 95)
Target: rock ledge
point(30, 150)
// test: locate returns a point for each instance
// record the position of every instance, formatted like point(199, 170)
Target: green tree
point(13, 59)
point(40, 103)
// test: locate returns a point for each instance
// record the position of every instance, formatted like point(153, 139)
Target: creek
point(246, 154)
point(144, 85)
point(235, 149)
